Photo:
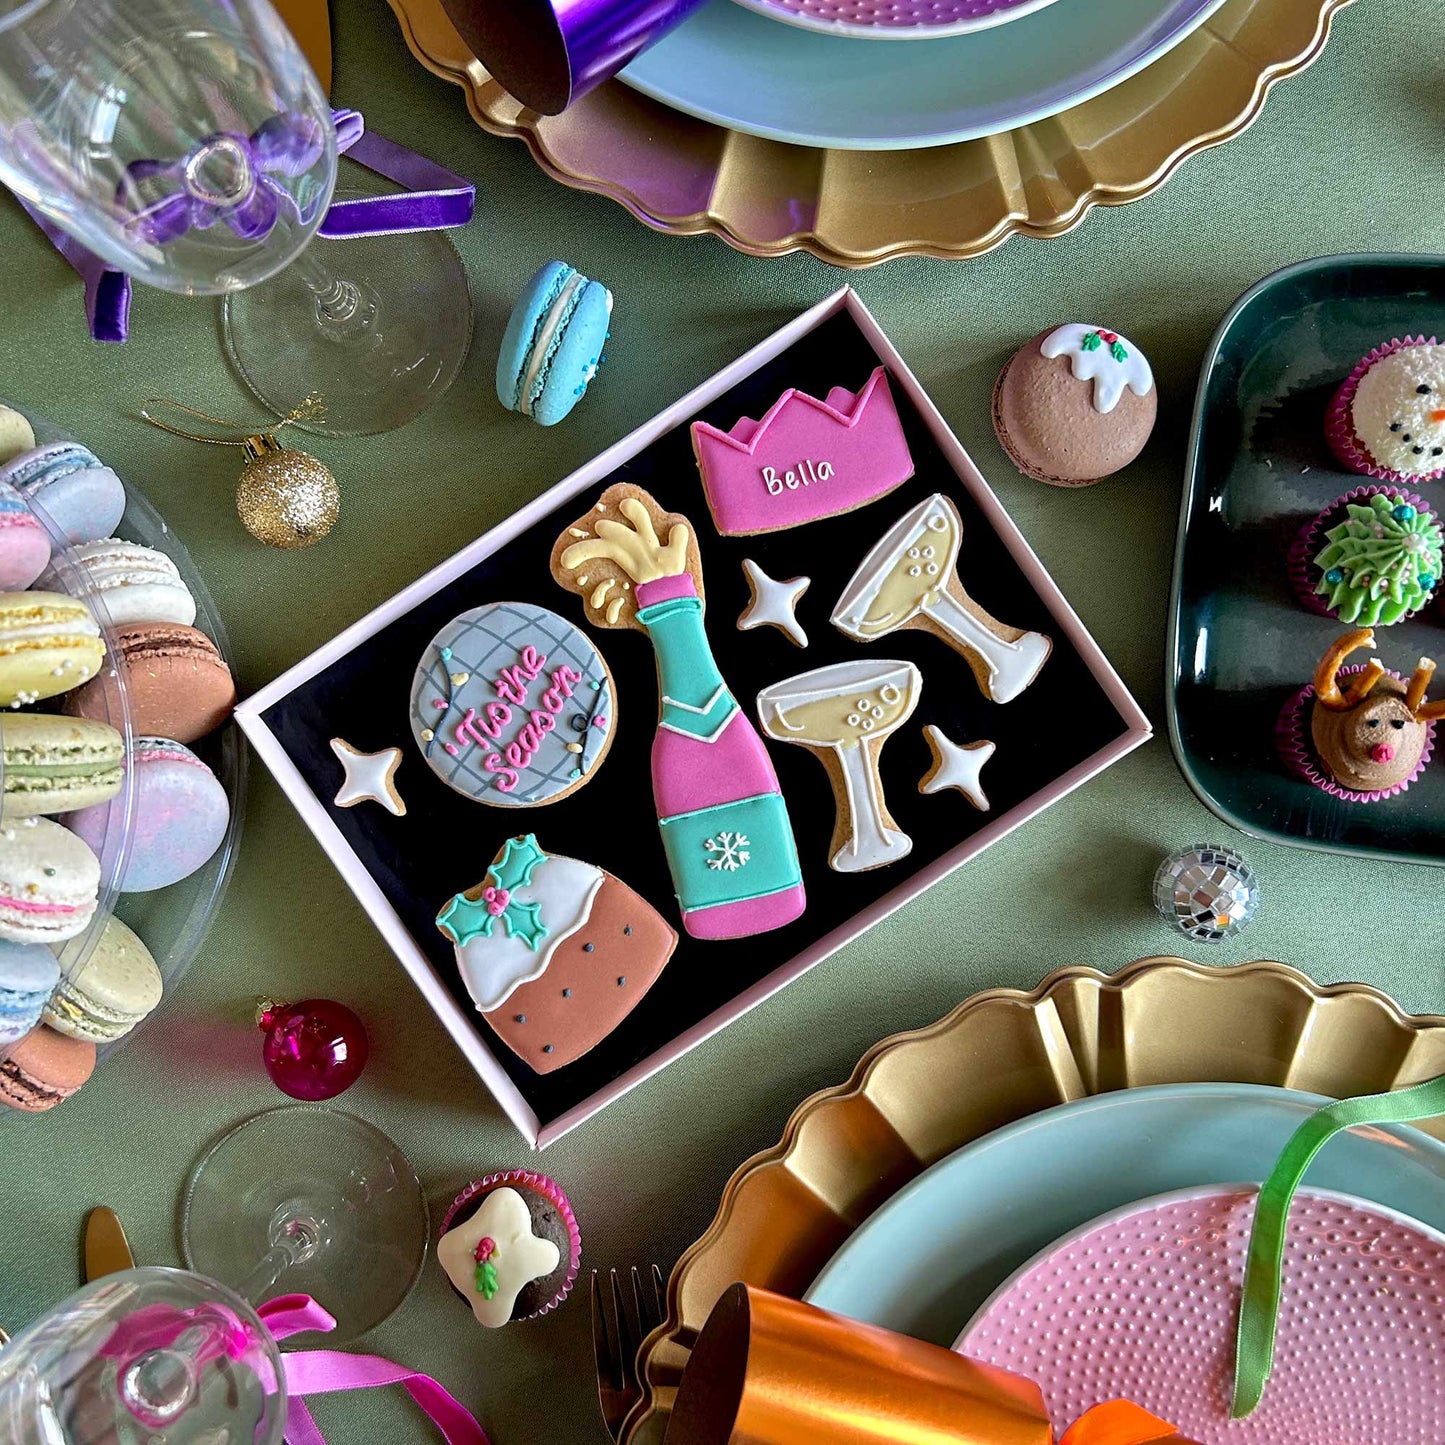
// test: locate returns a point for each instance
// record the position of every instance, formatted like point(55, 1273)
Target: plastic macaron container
point(88, 756)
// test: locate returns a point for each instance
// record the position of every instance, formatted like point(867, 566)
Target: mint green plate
point(1258, 468)
point(927, 1260)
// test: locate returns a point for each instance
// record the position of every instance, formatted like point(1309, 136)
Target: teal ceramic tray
point(1258, 469)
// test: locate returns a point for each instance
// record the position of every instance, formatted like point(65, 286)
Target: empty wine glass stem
point(295, 1236)
point(345, 311)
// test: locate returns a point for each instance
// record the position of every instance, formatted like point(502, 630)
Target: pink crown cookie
point(805, 460)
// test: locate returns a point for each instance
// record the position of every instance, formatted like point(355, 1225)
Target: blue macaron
point(28, 975)
point(72, 486)
point(553, 343)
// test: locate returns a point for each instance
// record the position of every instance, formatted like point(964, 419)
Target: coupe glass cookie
point(806, 459)
point(725, 826)
point(1359, 733)
point(908, 581)
point(554, 952)
point(843, 714)
point(512, 706)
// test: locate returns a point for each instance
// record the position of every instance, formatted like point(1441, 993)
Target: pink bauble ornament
point(314, 1049)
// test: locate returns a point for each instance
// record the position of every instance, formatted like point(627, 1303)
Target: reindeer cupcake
point(1360, 733)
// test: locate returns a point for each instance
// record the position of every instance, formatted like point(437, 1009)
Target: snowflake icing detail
point(729, 851)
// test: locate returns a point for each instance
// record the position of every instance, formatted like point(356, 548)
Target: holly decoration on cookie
point(485, 1255)
point(1095, 339)
point(467, 917)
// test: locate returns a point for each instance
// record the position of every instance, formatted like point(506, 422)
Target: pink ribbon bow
point(307, 1372)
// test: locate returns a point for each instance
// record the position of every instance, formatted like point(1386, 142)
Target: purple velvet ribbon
point(433, 198)
point(218, 1334)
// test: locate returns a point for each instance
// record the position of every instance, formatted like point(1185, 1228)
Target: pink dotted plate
point(895, 19)
point(1142, 1304)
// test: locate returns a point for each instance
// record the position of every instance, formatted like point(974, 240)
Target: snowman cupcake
point(1387, 420)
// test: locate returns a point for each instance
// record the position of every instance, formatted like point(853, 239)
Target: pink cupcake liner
point(1310, 540)
point(1340, 429)
point(550, 1190)
point(1297, 753)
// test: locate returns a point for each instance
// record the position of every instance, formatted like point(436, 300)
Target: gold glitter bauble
point(285, 498)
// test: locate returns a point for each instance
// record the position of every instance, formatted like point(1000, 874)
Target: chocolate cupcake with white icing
point(510, 1247)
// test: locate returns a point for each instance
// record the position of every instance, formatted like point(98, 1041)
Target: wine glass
point(314, 1198)
point(187, 143)
point(849, 708)
point(909, 575)
point(146, 1354)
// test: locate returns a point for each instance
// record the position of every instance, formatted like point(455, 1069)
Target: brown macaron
point(178, 683)
point(43, 1069)
point(1074, 405)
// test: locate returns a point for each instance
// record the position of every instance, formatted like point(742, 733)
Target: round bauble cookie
point(512, 705)
point(1074, 405)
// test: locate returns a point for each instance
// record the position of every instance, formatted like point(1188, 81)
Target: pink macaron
point(178, 818)
point(24, 544)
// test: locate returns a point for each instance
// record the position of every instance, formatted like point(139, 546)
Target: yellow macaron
point(49, 643)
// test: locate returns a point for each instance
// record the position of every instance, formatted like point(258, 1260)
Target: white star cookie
point(956, 765)
point(370, 777)
point(772, 603)
point(516, 1256)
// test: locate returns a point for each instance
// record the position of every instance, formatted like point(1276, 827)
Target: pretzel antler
point(1327, 687)
point(1419, 684)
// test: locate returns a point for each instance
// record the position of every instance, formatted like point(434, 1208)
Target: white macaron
point(135, 583)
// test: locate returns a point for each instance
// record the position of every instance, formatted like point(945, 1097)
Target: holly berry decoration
point(1095, 339)
point(313, 1049)
point(485, 1255)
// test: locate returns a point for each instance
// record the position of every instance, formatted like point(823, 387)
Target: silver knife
point(106, 1247)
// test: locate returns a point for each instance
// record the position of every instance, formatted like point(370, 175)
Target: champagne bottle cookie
point(725, 827)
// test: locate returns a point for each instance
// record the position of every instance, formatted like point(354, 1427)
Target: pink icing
point(751, 915)
point(681, 783)
point(665, 589)
point(804, 460)
point(27, 905)
point(166, 755)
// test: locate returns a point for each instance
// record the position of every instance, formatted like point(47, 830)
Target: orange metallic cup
point(767, 1370)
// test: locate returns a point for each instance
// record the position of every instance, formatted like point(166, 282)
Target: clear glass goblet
point(144, 1355)
point(189, 144)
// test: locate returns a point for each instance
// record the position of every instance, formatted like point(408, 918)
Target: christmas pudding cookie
point(512, 705)
point(1387, 420)
point(510, 1247)
point(712, 779)
point(1371, 558)
point(804, 460)
point(1074, 405)
point(555, 952)
point(909, 581)
point(1360, 733)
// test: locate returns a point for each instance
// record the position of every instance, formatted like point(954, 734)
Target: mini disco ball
point(1208, 893)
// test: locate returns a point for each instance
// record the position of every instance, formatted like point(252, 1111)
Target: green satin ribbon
point(1259, 1308)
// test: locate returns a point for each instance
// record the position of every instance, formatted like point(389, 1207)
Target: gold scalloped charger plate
point(999, 1057)
point(857, 208)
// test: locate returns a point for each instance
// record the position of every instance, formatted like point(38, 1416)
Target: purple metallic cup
point(547, 53)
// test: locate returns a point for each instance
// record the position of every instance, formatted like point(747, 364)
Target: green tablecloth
point(1345, 157)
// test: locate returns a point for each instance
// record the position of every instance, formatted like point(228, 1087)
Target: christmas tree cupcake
point(1387, 420)
point(1359, 733)
point(1372, 557)
point(510, 1247)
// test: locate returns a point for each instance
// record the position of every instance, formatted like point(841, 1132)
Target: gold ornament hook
point(311, 408)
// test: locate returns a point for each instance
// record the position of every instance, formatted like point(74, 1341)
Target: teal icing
point(695, 699)
point(698, 858)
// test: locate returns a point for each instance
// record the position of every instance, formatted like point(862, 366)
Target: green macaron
point(58, 764)
point(118, 986)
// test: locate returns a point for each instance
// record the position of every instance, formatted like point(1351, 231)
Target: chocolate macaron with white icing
point(1075, 405)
